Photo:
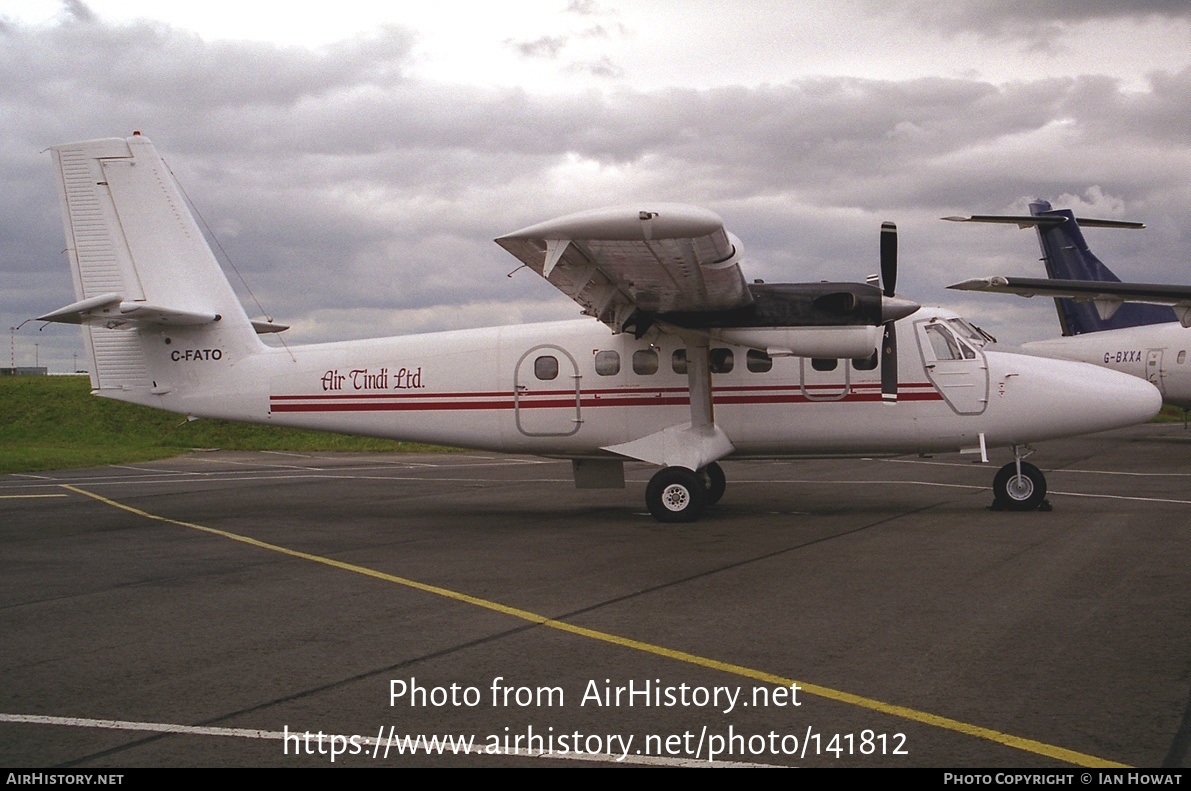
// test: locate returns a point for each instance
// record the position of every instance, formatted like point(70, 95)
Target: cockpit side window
point(946, 346)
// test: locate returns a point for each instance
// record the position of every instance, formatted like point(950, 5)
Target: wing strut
point(698, 381)
point(691, 445)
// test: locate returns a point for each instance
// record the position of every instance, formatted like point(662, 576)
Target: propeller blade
point(889, 364)
point(888, 258)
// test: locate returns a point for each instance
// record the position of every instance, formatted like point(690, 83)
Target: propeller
point(892, 309)
point(889, 258)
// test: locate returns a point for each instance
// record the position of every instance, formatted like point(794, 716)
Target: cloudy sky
point(355, 162)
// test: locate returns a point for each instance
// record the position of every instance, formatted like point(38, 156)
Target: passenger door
point(546, 393)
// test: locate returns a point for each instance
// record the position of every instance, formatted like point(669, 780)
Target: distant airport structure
point(25, 370)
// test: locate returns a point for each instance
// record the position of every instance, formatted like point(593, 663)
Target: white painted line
point(817, 482)
point(254, 464)
point(148, 469)
point(1137, 474)
point(1048, 471)
point(262, 471)
point(306, 475)
point(381, 742)
point(1122, 497)
point(964, 464)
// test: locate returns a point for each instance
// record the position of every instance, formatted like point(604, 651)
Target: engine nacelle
point(836, 342)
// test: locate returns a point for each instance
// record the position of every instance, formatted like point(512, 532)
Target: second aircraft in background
point(1136, 328)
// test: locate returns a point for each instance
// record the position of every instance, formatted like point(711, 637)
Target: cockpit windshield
point(971, 333)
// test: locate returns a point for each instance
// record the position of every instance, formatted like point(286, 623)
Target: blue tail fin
point(1067, 257)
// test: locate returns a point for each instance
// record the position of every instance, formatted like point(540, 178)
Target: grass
point(1170, 414)
point(53, 422)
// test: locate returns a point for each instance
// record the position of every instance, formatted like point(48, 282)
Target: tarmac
point(285, 609)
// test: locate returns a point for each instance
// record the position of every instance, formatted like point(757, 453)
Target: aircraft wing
point(1106, 295)
point(657, 258)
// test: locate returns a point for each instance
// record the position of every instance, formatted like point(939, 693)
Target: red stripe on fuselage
point(565, 399)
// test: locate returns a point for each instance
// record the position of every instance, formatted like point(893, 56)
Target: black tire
point(675, 494)
point(1024, 494)
point(715, 483)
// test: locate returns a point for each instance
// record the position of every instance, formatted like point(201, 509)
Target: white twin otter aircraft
point(680, 363)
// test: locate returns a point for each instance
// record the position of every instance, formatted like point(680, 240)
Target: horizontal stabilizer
point(1045, 221)
point(112, 311)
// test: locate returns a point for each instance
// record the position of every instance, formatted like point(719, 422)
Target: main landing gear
point(676, 494)
point(1019, 486)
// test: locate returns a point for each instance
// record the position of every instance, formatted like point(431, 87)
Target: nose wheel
point(1019, 486)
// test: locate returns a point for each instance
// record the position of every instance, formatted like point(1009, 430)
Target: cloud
point(543, 47)
point(999, 17)
point(152, 66)
point(584, 7)
point(79, 10)
point(601, 67)
point(342, 185)
point(1052, 28)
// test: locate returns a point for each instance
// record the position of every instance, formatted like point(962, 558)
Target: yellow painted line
point(946, 723)
point(28, 496)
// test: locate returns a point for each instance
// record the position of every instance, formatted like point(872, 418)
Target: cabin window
point(719, 360)
point(645, 362)
point(607, 363)
point(546, 367)
point(1182, 356)
point(824, 363)
point(865, 363)
point(758, 361)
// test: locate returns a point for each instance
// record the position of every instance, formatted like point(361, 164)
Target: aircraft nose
point(1145, 400)
point(1064, 398)
point(1102, 399)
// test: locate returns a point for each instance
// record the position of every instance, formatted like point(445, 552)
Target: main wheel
point(675, 494)
point(1019, 493)
point(714, 482)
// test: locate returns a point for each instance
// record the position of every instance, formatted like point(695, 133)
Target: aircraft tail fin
point(1067, 257)
point(149, 291)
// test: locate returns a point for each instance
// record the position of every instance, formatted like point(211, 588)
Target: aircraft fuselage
point(1157, 353)
point(573, 388)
